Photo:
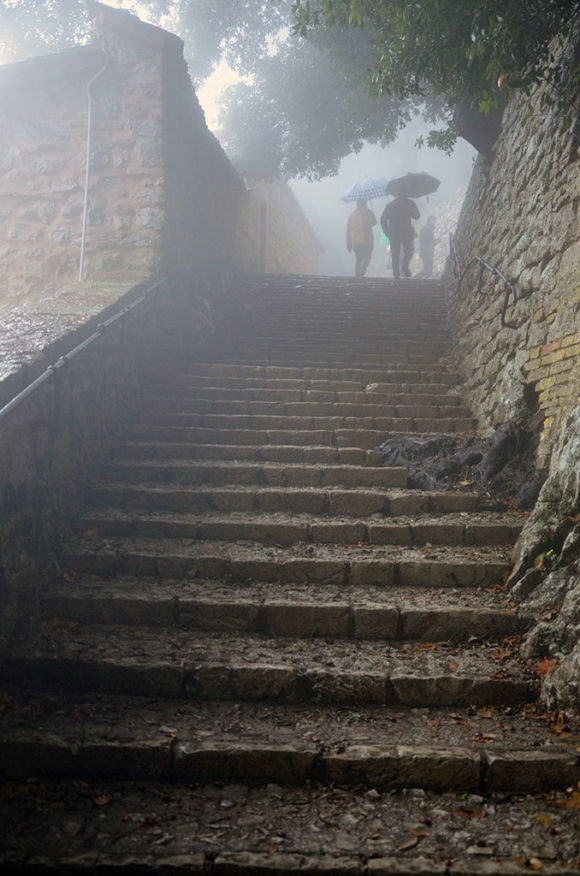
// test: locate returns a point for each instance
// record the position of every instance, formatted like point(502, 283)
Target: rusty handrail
point(66, 358)
point(510, 289)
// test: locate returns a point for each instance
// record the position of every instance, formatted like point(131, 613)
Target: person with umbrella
point(397, 217)
point(360, 237)
point(396, 222)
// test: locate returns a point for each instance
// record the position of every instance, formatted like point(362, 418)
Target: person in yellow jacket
point(360, 237)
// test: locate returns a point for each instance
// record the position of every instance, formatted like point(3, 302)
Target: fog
point(327, 214)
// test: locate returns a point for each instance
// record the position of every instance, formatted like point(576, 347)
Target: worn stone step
point(306, 409)
point(254, 375)
point(314, 422)
point(250, 453)
point(264, 388)
point(365, 439)
point(185, 741)
point(191, 395)
point(331, 501)
point(345, 431)
point(280, 529)
point(383, 565)
point(296, 611)
point(218, 473)
point(418, 350)
point(217, 666)
point(315, 359)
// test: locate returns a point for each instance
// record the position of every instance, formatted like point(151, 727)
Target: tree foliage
point(476, 49)
point(322, 76)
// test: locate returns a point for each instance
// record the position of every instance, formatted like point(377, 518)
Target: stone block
point(384, 533)
point(372, 572)
point(231, 617)
point(356, 503)
point(245, 762)
point(303, 620)
point(278, 864)
point(373, 622)
point(437, 533)
point(338, 533)
point(348, 688)
point(527, 771)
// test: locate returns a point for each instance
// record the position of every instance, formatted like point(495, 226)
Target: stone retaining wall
point(162, 195)
point(521, 216)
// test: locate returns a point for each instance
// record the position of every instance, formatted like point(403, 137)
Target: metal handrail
point(66, 358)
point(510, 288)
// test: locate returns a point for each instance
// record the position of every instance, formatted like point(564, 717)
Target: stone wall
point(274, 236)
point(162, 195)
point(521, 216)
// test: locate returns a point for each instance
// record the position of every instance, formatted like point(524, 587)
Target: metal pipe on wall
point(88, 161)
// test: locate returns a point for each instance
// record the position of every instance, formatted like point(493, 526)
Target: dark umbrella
point(413, 185)
point(366, 189)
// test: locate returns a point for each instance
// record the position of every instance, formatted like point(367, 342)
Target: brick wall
point(521, 215)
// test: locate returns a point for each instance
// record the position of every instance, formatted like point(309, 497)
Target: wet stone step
point(366, 439)
point(250, 372)
point(295, 611)
point(380, 565)
point(192, 395)
point(262, 474)
point(250, 453)
point(229, 422)
point(262, 388)
point(306, 409)
point(193, 742)
point(279, 529)
point(336, 501)
point(226, 667)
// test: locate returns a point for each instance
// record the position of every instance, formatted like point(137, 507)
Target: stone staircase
point(265, 654)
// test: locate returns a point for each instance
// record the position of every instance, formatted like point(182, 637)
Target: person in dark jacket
point(397, 223)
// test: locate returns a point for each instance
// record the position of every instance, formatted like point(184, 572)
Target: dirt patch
point(502, 466)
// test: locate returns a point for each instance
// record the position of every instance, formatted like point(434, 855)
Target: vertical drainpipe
point(88, 162)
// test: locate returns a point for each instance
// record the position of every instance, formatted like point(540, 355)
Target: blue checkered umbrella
point(367, 189)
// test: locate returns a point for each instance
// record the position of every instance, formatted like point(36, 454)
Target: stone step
point(288, 423)
point(331, 501)
point(182, 383)
point(177, 663)
point(192, 395)
point(285, 529)
point(194, 742)
point(314, 358)
point(293, 611)
point(306, 409)
point(383, 565)
point(423, 346)
point(364, 439)
point(217, 473)
point(335, 376)
point(251, 453)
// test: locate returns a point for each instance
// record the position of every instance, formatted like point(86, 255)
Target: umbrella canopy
point(366, 189)
point(413, 185)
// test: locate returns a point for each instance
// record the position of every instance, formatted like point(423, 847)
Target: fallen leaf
point(103, 799)
point(571, 802)
point(544, 819)
point(453, 665)
point(531, 863)
point(409, 844)
point(466, 812)
point(427, 646)
point(544, 667)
